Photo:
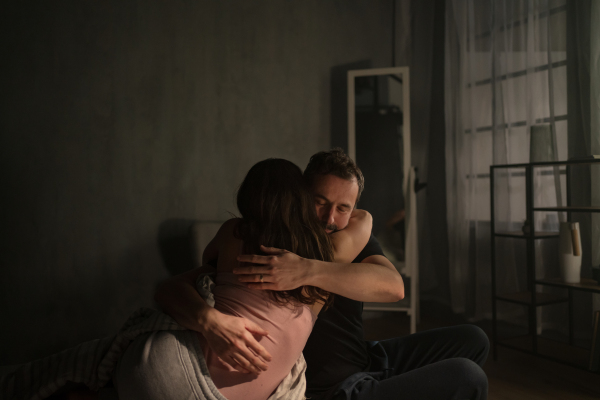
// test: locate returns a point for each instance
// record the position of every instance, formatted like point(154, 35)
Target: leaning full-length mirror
point(379, 141)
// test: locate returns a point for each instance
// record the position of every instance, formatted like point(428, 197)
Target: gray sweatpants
point(164, 365)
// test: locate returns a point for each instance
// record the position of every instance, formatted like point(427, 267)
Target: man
point(440, 364)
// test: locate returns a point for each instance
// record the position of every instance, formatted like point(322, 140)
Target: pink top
point(288, 326)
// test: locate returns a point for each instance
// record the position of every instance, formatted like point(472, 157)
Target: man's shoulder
point(371, 248)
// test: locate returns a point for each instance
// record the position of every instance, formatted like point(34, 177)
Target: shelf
point(547, 348)
point(569, 208)
point(521, 235)
point(587, 285)
point(549, 163)
point(524, 298)
point(551, 349)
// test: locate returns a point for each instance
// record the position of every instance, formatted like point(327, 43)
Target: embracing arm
point(232, 338)
point(348, 242)
point(178, 297)
point(375, 279)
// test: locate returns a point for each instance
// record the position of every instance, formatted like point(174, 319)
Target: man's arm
point(232, 338)
point(375, 279)
point(178, 297)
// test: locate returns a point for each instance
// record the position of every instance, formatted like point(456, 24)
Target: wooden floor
point(515, 376)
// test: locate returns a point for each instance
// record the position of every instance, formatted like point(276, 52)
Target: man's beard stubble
point(331, 227)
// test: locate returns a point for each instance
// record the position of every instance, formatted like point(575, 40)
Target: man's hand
point(280, 270)
point(232, 339)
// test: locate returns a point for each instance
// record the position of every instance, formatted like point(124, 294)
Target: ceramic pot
point(569, 249)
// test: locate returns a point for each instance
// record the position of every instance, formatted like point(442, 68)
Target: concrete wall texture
point(118, 115)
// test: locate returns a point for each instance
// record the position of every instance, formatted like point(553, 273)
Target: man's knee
point(470, 370)
point(482, 343)
point(478, 336)
point(478, 342)
point(469, 377)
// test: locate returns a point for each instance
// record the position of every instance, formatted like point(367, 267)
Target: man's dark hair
point(334, 162)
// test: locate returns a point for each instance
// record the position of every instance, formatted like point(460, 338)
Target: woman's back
point(288, 325)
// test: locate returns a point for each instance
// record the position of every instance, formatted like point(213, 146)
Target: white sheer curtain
point(506, 70)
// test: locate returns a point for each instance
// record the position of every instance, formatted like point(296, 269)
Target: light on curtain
point(506, 71)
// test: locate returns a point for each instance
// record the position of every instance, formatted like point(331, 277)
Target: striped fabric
point(90, 363)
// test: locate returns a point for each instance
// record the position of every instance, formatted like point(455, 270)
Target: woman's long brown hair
point(278, 210)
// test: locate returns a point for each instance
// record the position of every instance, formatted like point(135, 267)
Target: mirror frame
point(411, 236)
point(403, 71)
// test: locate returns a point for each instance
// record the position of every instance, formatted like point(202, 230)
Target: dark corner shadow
point(174, 243)
point(339, 101)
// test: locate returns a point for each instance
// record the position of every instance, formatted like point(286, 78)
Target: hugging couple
point(292, 274)
point(291, 277)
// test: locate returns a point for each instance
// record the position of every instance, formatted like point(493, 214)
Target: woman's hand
point(232, 339)
point(280, 270)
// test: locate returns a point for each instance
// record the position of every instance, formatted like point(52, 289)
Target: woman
point(157, 358)
point(277, 210)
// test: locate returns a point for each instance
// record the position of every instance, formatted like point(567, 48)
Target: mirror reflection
point(379, 149)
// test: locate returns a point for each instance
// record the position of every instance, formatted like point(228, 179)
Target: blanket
point(90, 363)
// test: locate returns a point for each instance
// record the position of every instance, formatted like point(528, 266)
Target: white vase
point(569, 257)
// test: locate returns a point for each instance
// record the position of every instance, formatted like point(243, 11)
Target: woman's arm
point(373, 279)
point(349, 242)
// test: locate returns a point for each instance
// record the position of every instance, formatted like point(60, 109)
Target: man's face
point(334, 199)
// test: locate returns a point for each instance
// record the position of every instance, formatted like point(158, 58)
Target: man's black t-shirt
point(336, 348)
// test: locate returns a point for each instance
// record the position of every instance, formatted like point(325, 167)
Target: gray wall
point(118, 115)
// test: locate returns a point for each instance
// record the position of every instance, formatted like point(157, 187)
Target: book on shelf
point(595, 353)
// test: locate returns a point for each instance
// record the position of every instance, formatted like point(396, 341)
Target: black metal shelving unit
point(533, 343)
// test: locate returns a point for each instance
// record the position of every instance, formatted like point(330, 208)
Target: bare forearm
point(358, 281)
point(180, 300)
point(232, 338)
